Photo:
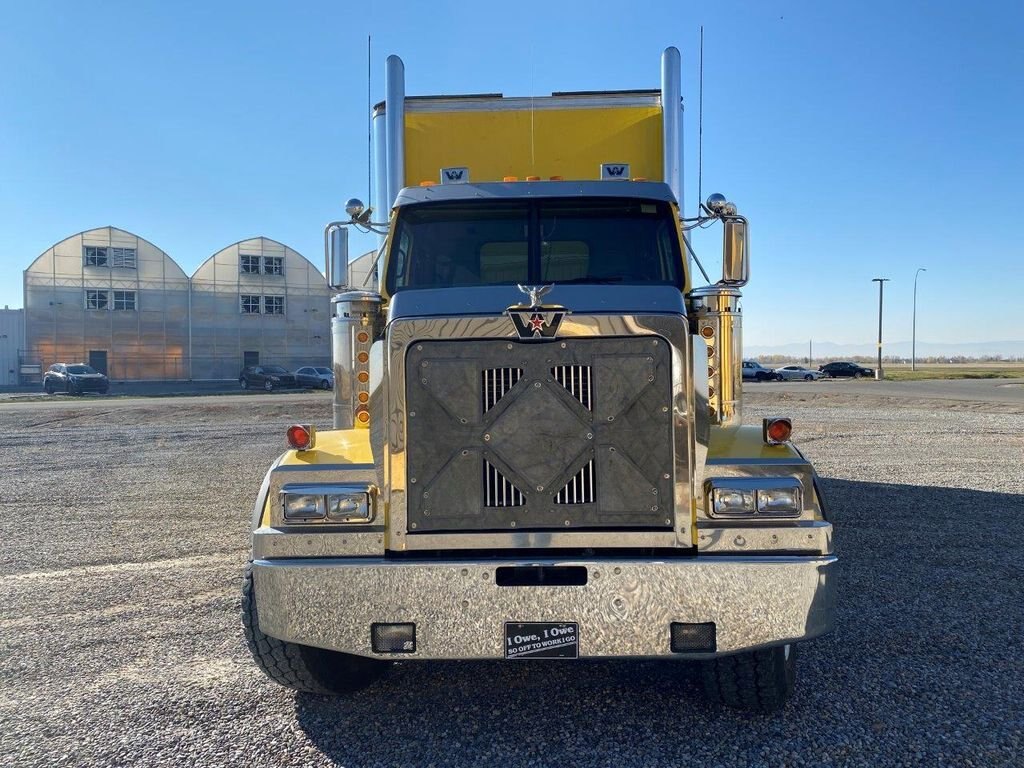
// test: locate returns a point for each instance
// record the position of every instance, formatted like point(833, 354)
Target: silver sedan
point(796, 373)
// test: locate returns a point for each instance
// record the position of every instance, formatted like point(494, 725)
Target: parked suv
point(74, 378)
point(268, 377)
point(754, 371)
point(846, 370)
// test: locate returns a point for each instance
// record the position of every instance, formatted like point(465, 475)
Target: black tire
point(760, 377)
point(47, 388)
point(779, 377)
point(303, 667)
point(268, 385)
point(243, 383)
point(759, 680)
point(325, 384)
point(856, 374)
point(809, 377)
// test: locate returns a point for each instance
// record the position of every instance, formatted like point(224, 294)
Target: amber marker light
point(707, 331)
point(363, 377)
point(556, 178)
point(301, 437)
point(533, 178)
point(510, 178)
point(362, 337)
point(776, 431)
point(427, 183)
point(362, 357)
point(363, 397)
point(362, 416)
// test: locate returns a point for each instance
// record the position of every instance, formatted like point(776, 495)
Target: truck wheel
point(759, 680)
point(303, 667)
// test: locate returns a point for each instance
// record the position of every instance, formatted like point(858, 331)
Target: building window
point(273, 265)
point(96, 299)
point(122, 257)
point(250, 305)
point(249, 265)
point(273, 305)
point(124, 300)
point(95, 256)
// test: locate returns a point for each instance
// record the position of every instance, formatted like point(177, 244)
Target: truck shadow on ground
point(924, 662)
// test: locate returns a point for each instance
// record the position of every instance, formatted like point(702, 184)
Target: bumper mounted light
point(328, 503)
point(748, 497)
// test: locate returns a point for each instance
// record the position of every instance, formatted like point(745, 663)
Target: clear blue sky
point(862, 139)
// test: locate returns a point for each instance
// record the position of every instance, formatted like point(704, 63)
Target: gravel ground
point(124, 529)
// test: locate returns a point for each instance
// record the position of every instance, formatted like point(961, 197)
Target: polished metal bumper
point(624, 610)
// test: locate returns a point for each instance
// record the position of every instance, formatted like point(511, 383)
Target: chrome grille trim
point(576, 379)
point(496, 384)
point(498, 491)
point(581, 489)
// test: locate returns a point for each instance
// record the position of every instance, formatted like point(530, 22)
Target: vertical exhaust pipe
point(394, 116)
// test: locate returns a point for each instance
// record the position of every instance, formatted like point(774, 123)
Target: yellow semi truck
point(537, 448)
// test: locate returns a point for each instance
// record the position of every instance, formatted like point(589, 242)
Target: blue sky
point(862, 139)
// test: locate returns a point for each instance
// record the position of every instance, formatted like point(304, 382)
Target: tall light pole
point(879, 374)
point(913, 331)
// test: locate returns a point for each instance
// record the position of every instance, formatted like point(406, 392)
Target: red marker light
point(301, 436)
point(775, 431)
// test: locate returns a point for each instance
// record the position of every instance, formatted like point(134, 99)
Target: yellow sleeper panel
point(572, 143)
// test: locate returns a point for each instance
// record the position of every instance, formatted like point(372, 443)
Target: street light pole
point(913, 331)
point(879, 374)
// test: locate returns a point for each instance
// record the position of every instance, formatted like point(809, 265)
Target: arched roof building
point(110, 298)
point(258, 301)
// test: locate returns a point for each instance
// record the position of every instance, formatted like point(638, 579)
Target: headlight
point(303, 506)
point(349, 507)
point(328, 503)
point(730, 501)
point(754, 497)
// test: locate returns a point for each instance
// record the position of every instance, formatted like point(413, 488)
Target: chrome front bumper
point(624, 609)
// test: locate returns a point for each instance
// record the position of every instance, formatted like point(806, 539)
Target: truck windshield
point(577, 240)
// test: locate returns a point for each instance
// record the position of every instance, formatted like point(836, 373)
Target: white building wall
point(12, 330)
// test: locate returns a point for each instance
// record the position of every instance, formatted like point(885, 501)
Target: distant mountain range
point(829, 349)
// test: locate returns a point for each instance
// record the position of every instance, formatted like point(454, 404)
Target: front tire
point(761, 680)
point(809, 377)
point(268, 386)
point(325, 384)
point(243, 383)
point(856, 374)
point(303, 667)
point(48, 388)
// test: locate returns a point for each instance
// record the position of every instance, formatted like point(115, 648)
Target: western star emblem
point(536, 320)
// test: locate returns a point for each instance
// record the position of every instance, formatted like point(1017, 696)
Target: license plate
point(547, 640)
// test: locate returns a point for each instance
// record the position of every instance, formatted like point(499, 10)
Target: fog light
point(693, 638)
point(303, 506)
point(393, 638)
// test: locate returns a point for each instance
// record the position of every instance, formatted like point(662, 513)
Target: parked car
point(315, 377)
point(268, 377)
point(74, 378)
point(846, 370)
point(754, 371)
point(797, 373)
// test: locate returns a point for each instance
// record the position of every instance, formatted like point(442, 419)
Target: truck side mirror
point(337, 257)
point(735, 252)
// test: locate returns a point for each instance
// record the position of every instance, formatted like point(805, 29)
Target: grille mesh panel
point(581, 489)
point(576, 379)
point(498, 491)
point(496, 384)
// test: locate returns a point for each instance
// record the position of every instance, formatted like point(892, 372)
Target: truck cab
point(538, 449)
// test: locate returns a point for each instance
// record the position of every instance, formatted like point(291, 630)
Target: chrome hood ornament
point(536, 321)
point(535, 292)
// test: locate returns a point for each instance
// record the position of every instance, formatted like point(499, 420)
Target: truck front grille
point(579, 490)
point(496, 383)
point(576, 379)
point(538, 436)
point(498, 491)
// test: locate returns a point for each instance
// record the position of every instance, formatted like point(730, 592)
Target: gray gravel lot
point(125, 530)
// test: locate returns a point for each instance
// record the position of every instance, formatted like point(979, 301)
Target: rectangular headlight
point(778, 501)
point(303, 506)
point(755, 497)
point(349, 507)
point(729, 502)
